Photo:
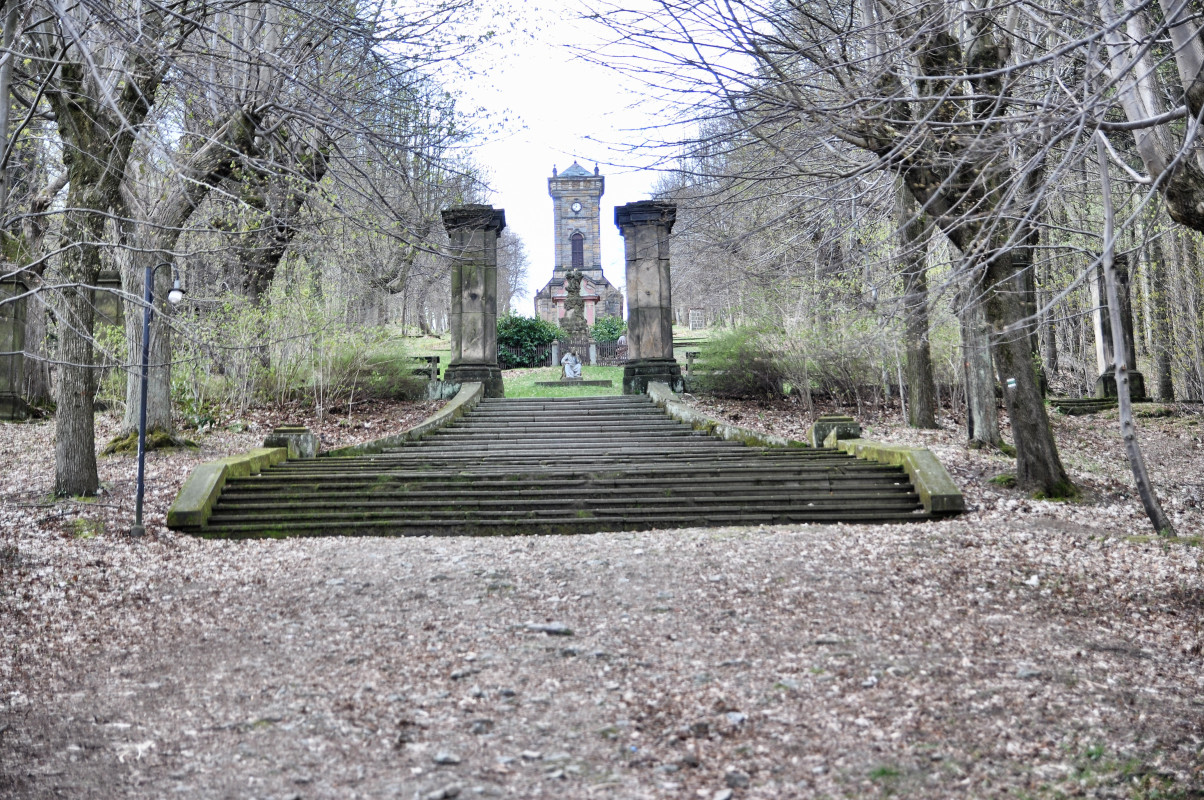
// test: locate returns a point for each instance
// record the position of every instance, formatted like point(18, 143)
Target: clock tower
point(577, 233)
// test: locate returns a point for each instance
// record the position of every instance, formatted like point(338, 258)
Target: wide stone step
point(518, 467)
point(561, 405)
point(476, 484)
point(566, 435)
point(559, 424)
point(320, 497)
point(560, 525)
point(562, 465)
point(518, 470)
point(450, 503)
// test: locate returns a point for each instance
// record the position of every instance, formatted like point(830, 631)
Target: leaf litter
point(1026, 649)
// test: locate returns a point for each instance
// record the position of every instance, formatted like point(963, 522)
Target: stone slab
point(575, 382)
point(197, 496)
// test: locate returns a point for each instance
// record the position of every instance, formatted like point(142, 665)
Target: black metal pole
point(139, 529)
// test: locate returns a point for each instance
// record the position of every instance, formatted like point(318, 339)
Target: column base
point(488, 374)
point(1105, 386)
point(13, 407)
point(637, 374)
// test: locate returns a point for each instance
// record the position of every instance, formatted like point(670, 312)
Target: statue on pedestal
point(572, 366)
point(573, 322)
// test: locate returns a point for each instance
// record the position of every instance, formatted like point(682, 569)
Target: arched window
point(578, 243)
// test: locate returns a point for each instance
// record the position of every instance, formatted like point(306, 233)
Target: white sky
point(560, 108)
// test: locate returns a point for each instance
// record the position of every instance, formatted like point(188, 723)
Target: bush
point(608, 329)
point(523, 337)
point(738, 364)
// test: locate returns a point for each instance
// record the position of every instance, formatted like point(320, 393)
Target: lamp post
point(174, 296)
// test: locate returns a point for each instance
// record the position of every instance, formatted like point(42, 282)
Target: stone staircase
point(561, 465)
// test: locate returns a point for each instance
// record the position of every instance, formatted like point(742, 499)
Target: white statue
point(571, 364)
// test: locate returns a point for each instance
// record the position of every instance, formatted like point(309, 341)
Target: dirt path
point(1028, 649)
point(922, 661)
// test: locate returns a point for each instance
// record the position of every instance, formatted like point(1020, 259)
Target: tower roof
point(576, 171)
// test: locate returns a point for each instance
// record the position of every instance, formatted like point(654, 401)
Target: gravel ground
point(1026, 649)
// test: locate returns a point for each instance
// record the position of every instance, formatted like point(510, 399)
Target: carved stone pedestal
point(638, 374)
point(473, 231)
point(645, 227)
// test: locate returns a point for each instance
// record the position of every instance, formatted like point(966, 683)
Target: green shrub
point(608, 329)
point(356, 369)
point(522, 338)
point(738, 364)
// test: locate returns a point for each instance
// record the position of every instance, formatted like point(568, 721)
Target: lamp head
point(176, 294)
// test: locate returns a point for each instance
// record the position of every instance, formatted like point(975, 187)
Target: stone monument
point(573, 323)
point(645, 227)
point(473, 231)
point(12, 343)
point(577, 245)
point(1105, 384)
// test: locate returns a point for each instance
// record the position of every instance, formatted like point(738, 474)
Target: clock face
point(576, 207)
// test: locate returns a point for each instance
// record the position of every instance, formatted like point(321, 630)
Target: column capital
point(646, 212)
point(474, 217)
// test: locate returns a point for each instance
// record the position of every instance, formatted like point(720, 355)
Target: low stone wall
point(936, 488)
point(200, 491)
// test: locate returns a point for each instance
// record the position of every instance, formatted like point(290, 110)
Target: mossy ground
point(127, 443)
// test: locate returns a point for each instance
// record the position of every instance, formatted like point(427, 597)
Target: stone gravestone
point(473, 231)
point(1105, 384)
point(646, 226)
point(12, 343)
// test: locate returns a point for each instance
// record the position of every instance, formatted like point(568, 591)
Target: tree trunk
point(154, 241)
point(158, 376)
point(1050, 338)
point(262, 249)
point(75, 429)
point(1160, 321)
point(914, 229)
point(37, 362)
point(1038, 465)
point(982, 417)
point(1145, 488)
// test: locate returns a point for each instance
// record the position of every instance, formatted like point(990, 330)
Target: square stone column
point(473, 231)
point(1105, 357)
point(646, 226)
point(12, 343)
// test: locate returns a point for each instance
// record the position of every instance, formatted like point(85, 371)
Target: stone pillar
point(12, 343)
point(1105, 384)
point(645, 227)
point(473, 231)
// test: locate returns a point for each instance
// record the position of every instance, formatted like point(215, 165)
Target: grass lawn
point(521, 382)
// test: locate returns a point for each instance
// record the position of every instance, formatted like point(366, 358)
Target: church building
point(577, 227)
